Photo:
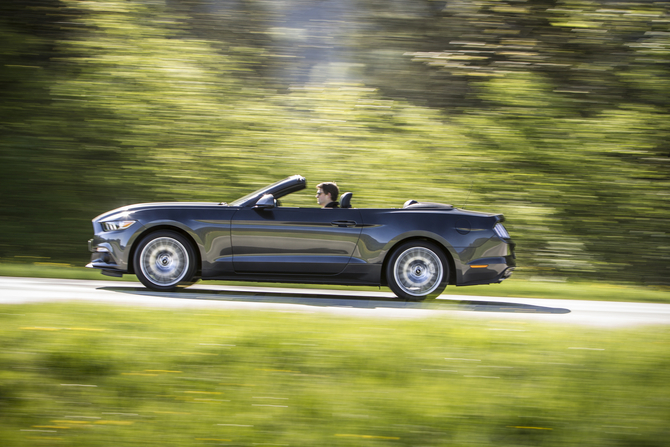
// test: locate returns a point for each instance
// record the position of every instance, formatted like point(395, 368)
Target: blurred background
point(552, 112)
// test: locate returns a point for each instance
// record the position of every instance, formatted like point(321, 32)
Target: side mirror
point(266, 202)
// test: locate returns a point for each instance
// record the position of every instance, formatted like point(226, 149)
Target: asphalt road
point(348, 303)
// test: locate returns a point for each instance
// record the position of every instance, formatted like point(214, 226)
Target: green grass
point(517, 286)
point(93, 375)
point(577, 290)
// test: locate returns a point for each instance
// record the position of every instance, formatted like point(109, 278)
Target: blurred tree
point(601, 180)
point(583, 47)
point(554, 112)
point(280, 43)
point(121, 106)
point(569, 96)
point(28, 31)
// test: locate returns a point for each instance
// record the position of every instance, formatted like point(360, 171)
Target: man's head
point(326, 192)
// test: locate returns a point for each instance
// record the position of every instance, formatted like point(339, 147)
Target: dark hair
point(330, 188)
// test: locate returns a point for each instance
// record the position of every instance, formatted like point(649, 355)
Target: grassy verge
point(55, 270)
point(91, 375)
point(517, 286)
point(577, 290)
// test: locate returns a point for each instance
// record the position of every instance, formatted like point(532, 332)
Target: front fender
point(158, 225)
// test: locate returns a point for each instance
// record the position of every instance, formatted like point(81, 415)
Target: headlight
point(501, 231)
point(117, 225)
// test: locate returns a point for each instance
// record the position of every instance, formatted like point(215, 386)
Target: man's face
point(322, 198)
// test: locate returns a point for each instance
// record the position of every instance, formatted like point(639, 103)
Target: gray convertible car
point(416, 250)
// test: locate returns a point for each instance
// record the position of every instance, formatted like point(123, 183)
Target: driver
point(326, 195)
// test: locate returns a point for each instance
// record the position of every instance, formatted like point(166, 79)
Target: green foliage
point(553, 112)
point(96, 376)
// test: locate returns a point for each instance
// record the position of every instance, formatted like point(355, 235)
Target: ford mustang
point(416, 250)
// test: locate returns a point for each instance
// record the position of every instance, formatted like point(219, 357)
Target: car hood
point(157, 205)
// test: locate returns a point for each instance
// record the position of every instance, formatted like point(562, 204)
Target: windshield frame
point(278, 189)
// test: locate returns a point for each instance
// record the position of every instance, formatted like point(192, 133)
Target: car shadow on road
point(351, 300)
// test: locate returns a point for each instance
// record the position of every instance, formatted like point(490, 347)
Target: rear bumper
point(488, 270)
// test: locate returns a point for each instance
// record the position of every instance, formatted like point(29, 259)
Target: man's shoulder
point(333, 205)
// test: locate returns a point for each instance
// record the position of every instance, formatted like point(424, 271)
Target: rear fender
point(453, 272)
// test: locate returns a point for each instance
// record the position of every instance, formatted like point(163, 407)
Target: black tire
point(417, 270)
point(165, 261)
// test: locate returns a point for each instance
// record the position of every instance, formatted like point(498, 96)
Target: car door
point(294, 240)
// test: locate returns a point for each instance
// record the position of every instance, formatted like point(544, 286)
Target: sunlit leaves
point(553, 112)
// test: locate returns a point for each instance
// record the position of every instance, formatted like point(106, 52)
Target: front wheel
point(417, 270)
point(164, 261)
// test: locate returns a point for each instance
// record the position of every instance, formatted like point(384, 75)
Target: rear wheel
point(164, 261)
point(417, 270)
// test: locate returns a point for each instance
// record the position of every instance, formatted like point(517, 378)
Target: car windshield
point(257, 193)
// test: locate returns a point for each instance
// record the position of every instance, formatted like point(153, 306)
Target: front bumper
point(102, 258)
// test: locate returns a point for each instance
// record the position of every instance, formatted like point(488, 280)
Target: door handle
point(343, 223)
